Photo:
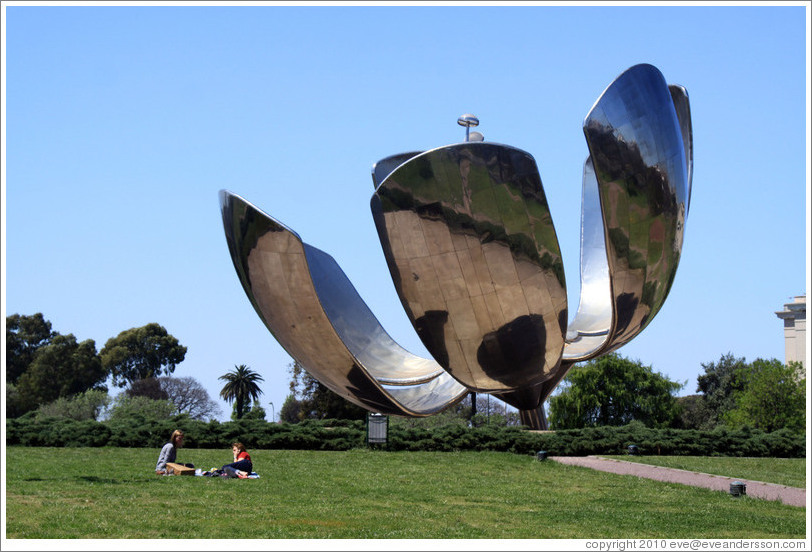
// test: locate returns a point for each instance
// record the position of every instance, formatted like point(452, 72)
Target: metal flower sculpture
point(473, 253)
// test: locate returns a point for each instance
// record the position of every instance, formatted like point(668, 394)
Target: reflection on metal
point(309, 305)
point(469, 240)
point(468, 236)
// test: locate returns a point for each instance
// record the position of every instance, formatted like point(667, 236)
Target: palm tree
point(241, 387)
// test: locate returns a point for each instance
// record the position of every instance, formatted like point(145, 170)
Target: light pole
point(273, 415)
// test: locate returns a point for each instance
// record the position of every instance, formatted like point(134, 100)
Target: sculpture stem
point(535, 419)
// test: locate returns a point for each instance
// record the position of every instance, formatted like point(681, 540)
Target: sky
point(121, 124)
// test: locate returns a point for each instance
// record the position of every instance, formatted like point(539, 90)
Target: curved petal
point(470, 243)
point(382, 168)
point(589, 330)
point(637, 148)
point(312, 309)
point(683, 108)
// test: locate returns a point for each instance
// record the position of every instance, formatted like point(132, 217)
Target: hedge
point(348, 434)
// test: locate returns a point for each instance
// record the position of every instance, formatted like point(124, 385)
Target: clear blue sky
point(123, 123)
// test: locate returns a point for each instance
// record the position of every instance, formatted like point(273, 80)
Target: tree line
point(57, 375)
point(614, 391)
point(611, 391)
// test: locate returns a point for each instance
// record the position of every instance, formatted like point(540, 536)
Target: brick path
point(788, 495)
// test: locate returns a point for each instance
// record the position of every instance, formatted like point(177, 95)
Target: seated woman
point(169, 452)
point(241, 466)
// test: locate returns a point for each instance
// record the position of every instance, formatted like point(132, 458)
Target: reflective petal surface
point(589, 330)
point(471, 247)
point(382, 168)
point(470, 243)
point(638, 152)
point(311, 308)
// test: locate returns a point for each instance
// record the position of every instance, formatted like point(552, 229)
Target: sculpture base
point(535, 418)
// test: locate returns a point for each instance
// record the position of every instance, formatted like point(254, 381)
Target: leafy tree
point(613, 391)
point(256, 412)
point(140, 353)
point(772, 397)
point(241, 388)
point(693, 412)
point(126, 407)
point(290, 410)
point(24, 336)
point(83, 406)
point(15, 405)
point(61, 368)
point(147, 387)
point(718, 385)
point(316, 401)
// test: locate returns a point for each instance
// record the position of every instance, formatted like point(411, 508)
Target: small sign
point(377, 426)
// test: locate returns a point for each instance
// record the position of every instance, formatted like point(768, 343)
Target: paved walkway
point(788, 495)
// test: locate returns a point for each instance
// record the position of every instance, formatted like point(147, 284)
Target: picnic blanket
point(215, 472)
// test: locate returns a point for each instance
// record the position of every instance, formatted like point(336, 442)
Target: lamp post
point(273, 415)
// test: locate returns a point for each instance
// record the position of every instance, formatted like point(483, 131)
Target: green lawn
point(113, 493)
point(782, 471)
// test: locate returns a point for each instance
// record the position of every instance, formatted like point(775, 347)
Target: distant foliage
point(614, 391)
point(694, 413)
point(764, 394)
point(771, 397)
point(45, 369)
point(718, 385)
point(255, 412)
point(24, 336)
point(140, 353)
point(125, 408)
point(89, 405)
point(310, 399)
point(187, 394)
point(62, 368)
point(241, 388)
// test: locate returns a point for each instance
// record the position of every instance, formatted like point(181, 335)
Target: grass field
point(98, 493)
point(782, 471)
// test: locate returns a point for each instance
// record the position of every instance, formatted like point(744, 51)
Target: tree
point(772, 396)
point(241, 388)
point(83, 406)
point(126, 407)
point(256, 412)
point(693, 412)
point(315, 400)
point(718, 385)
point(147, 387)
point(61, 368)
point(140, 353)
point(15, 404)
point(187, 394)
point(24, 337)
point(290, 410)
point(613, 391)
point(189, 397)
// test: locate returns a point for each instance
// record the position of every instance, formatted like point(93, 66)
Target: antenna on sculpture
point(467, 120)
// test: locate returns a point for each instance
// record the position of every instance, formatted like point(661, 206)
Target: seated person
point(169, 452)
point(242, 465)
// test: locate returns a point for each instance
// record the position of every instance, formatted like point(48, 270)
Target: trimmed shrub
point(137, 431)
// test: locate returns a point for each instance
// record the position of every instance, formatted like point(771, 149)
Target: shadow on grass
point(109, 481)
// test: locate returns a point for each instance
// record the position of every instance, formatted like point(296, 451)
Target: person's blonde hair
point(240, 446)
point(175, 435)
